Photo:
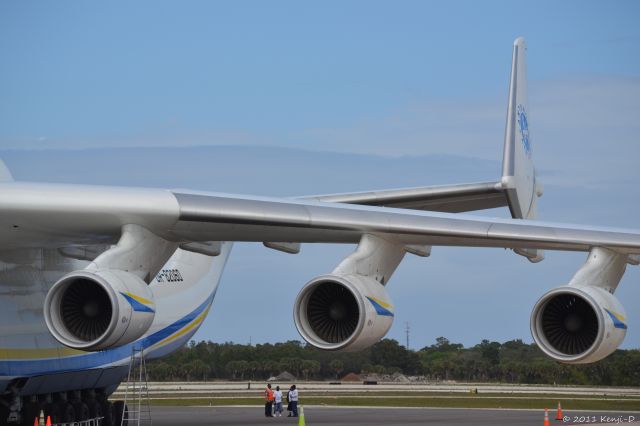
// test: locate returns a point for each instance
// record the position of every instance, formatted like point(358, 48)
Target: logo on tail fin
point(524, 129)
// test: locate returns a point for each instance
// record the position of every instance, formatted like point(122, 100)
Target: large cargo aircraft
point(90, 272)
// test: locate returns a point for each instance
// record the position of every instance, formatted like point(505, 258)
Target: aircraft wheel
point(107, 413)
point(121, 414)
point(66, 412)
point(4, 414)
point(53, 411)
point(82, 411)
point(30, 412)
point(95, 409)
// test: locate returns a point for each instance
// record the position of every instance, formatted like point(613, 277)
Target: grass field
point(446, 401)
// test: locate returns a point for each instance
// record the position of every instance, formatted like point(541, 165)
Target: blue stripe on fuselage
point(95, 359)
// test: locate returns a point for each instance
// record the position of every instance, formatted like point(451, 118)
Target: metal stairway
point(136, 396)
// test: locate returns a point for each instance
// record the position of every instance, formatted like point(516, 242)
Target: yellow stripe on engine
point(139, 299)
point(617, 315)
point(381, 303)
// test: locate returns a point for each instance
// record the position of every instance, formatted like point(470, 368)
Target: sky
point(289, 98)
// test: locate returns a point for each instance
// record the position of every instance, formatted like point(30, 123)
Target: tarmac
point(354, 416)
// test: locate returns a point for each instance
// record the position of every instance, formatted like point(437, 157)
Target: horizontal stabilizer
point(5, 174)
point(446, 198)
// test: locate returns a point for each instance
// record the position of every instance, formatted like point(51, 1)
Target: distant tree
point(337, 367)
point(233, 369)
point(272, 368)
point(490, 351)
point(511, 362)
point(292, 365)
point(253, 368)
point(310, 367)
point(237, 368)
point(199, 369)
point(159, 371)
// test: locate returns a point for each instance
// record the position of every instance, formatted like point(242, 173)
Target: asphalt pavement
point(343, 416)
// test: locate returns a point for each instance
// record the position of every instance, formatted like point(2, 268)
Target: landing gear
point(121, 413)
point(52, 410)
point(30, 412)
point(66, 412)
point(4, 414)
point(82, 411)
point(108, 413)
point(63, 407)
point(95, 409)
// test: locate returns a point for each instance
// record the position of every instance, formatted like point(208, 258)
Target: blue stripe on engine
point(96, 359)
point(616, 322)
point(137, 306)
point(380, 309)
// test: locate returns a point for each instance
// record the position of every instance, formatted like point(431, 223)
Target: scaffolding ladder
point(136, 396)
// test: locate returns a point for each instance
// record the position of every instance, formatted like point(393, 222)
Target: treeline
point(510, 362)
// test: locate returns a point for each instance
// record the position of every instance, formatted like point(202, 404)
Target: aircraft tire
point(121, 414)
point(95, 409)
point(4, 413)
point(107, 412)
point(66, 412)
point(82, 411)
point(53, 411)
point(30, 411)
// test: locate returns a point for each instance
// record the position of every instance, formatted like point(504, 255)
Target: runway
point(248, 416)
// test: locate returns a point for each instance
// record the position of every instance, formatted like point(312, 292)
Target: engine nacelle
point(343, 312)
point(95, 310)
point(578, 325)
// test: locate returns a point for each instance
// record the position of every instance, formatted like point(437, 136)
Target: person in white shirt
point(278, 399)
point(293, 398)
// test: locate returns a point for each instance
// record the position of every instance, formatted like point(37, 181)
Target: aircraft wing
point(45, 215)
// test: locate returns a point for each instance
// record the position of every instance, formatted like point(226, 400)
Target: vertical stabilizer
point(5, 174)
point(518, 172)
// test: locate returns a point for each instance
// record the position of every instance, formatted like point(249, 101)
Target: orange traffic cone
point(546, 417)
point(48, 421)
point(559, 415)
point(36, 422)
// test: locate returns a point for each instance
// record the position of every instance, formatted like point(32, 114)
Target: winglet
point(518, 172)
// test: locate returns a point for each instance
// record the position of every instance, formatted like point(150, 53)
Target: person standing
point(277, 395)
point(289, 401)
point(293, 398)
point(268, 401)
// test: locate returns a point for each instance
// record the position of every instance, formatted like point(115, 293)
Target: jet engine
point(578, 325)
point(343, 312)
point(95, 310)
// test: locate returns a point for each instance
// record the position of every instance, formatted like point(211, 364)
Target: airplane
point(90, 273)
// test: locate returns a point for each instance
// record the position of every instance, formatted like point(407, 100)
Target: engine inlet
point(569, 324)
point(85, 309)
point(332, 312)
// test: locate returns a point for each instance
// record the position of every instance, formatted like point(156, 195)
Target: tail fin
point(5, 174)
point(518, 172)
